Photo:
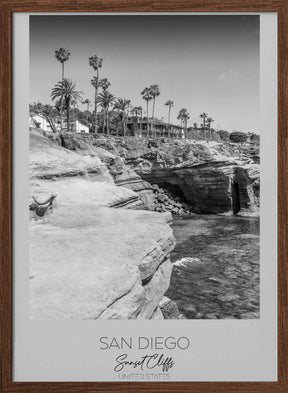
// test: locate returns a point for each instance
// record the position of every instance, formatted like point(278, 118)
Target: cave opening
point(236, 205)
point(174, 190)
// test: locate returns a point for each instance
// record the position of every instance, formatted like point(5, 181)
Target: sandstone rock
point(169, 308)
point(89, 261)
point(79, 272)
point(157, 314)
point(214, 187)
point(47, 160)
point(128, 306)
point(155, 289)
point(205, 172)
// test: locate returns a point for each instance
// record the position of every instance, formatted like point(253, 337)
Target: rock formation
point(105, 263)
point(95, 252)
point(213, 187)
point(90, 259)
point(209, 177)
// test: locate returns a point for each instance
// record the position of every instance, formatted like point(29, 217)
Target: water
point(216, 267)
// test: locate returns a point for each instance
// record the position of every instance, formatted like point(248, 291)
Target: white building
point(77, 126)
point(40, 121)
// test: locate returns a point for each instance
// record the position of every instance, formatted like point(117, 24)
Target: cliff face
point(213, 187)
point(114, 161)
point(88, 259)
point(213, 177)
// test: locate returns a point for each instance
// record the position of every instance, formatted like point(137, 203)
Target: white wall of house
point(79, 127)
point(44, 124)
point(41, 122)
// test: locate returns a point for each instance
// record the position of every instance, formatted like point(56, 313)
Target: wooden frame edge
point(5, 199)
point(6, 9)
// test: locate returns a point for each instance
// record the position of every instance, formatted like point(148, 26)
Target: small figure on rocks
point(41, 208)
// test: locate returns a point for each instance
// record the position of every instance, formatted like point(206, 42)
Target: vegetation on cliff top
point(116, 113)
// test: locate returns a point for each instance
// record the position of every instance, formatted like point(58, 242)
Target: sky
point(204, 63)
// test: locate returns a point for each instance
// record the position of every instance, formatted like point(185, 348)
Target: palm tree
point(62, 55)
point(170, 105)
point(155, 92)
point(204, 117)
point(87, 102)
point(66, 91)
point(183, 115)
point(122, 104)
point(137, 110)
point(180, 117)
point(96, 63)
point(209, 121)
point(186, 118)
point(104, 84)
point(147, 96)
point(105, 100)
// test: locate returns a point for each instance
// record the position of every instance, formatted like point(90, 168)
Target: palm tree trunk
point(137, 124)
point(95, 110)
point(61, 102)
point(96, 95)
point(126, 119)
point(117, 128)
point(169, 110)
point(123, 123)
point(61, 113)
point(147, 103)
point(103, 125)
point(107, 122)
point(68, 117)
point(153, 112)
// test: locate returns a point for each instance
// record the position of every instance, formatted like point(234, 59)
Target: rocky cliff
point(89, 258)
point(203, 176)
point(213, 187)
point(210, 177)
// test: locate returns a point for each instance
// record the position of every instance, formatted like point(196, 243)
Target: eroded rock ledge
point(90, 257)
point(114, 265)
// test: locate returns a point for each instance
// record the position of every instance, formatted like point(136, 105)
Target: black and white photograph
point(144, 167)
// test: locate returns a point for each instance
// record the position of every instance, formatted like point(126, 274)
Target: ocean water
point(216, 267)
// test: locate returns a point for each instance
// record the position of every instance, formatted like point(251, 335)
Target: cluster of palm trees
point(184, 116)
point(66, 95)
point(149, 94)
point(206, 121)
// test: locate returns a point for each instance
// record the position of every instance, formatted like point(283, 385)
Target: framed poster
point(143, 234)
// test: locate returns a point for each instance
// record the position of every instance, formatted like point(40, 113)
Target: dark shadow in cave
point(174, 190)
point(235, 197)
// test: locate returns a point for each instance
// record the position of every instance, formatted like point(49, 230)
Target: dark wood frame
point(7, 7)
